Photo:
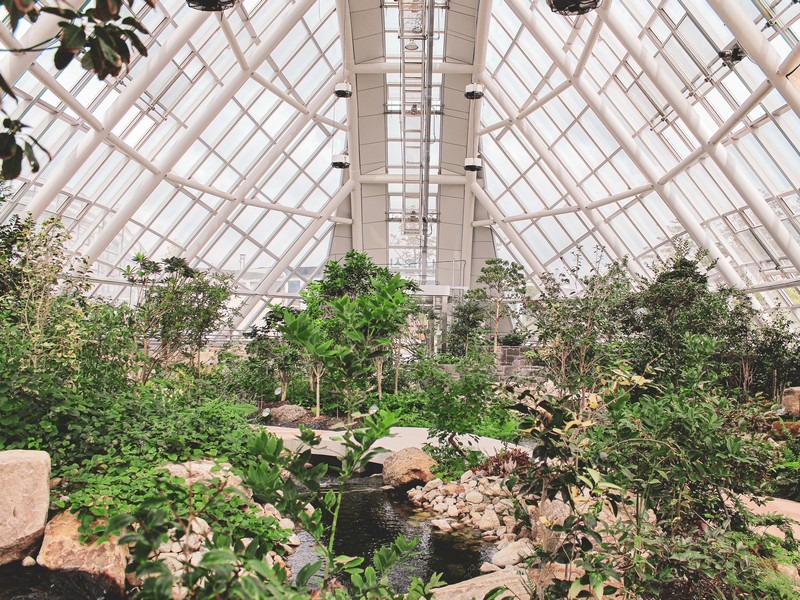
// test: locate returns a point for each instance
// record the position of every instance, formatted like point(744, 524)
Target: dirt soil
point(323, 422)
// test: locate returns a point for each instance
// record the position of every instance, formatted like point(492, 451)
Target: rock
point(466, 476)
point(514, 580)
point(441, 524)
point(25, 499)
point(62, 551)
point(288, 413)
point(205, 471)
point(286, 524)
point(789, 570)
point(513, 553)
point(28, 561)
point(489, 521)
point(199, 526)
point(408, 466)
point(555, 511)
point(474, 497)
point(791, 401)
point(452, 511)
point(488, 568)
point(786, 429)
point(432, 484)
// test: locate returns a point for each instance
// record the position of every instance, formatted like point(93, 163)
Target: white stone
point(466, 476)
point(474, 497)
point(28, 561)
point(514, 553)
point(452, 511)
point(489, 568)
point(488, 521)
point(286, 524)
point(441, 524)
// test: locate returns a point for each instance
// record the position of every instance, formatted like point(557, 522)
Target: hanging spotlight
point(732, 56)
point(473, 91)
point(340, 161)
point(210, 5)
point(412, 46)
point(573, 7)
point(473, 164)
point(343, 90)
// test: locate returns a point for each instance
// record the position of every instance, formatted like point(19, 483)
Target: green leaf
point(6, 88)
point(307, 572)
point(219, 557)
point(12, 166)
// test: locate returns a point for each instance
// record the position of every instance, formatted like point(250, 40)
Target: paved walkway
point(400, 437)
point(779, 506)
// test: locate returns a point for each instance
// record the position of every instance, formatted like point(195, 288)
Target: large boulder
point(791, 401)
point(408, 466)
point(288, 413)
point(515, 581)
point(514, 553)
point(62, 551)
point(25, 498)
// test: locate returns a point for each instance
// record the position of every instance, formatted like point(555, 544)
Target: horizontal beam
point(398, 178)
point(394, 67)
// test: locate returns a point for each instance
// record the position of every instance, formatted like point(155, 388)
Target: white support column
point(482, 26)
point(276, 272)
point(607, 235)
point(512, 234)
point(700, 236)
point(202, 119)
point(152, 68)
point(255, 174)
point(718, 153)
point(353, 147)
point(757, 47)
point(233, 43)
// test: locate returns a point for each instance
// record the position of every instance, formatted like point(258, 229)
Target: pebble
point(28, 561)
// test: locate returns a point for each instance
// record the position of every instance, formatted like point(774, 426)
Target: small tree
point(270, 348)
point(466, 325)
point(307, 334)
point(503, 285)
point(178, 306)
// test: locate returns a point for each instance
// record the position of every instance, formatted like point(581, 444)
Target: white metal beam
point(512, 234)
point(757, 46)
point(265, 287)
point(394, 67)
point(398, 178)
point(202, 119)
point(693, 121)
point(254, 176)
point(152, 68)
point(700, 236)
point(14, 65)
point(607, 235)
point(594, 205)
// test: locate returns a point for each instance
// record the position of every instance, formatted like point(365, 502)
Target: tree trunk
point(379, 377)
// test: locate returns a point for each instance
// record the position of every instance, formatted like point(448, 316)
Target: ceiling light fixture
point(210, 5)
point(412, 45)
point(573, 7)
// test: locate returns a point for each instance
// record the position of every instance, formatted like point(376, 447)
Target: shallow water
point(371, 518)
point(35, 583)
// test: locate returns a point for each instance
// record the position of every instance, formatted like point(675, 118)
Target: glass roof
point(611, 134)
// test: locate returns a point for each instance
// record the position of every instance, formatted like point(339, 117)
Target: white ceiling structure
point(602, 136)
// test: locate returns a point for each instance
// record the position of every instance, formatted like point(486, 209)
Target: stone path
point(400, 437)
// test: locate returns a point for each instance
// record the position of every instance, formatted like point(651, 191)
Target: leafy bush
point(506, 462)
